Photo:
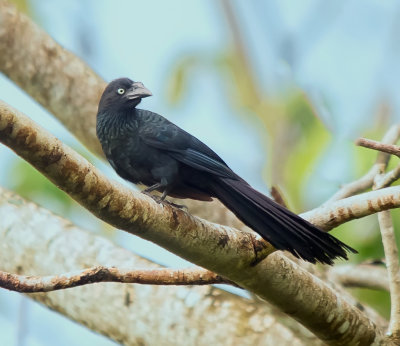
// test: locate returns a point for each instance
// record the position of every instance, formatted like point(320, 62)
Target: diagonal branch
point(226, 251)
point(335, 213)
point(367, 180)
point(383, 147)
point(75, 91)
point(388, 178)
point(162, 276)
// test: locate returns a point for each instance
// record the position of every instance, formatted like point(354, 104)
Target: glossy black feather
point(144, 147)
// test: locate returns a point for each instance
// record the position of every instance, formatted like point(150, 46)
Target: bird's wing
point(184, 147)
point(203, 162)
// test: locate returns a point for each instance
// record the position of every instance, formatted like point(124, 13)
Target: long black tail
point(279, 226)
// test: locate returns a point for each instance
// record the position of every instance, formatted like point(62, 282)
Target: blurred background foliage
point(288, 123)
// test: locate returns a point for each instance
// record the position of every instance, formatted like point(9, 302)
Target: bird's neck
point(116, 117)
point(115, 121)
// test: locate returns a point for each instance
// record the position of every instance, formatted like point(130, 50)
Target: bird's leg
point(152, 188)
point(164, 195)
point(162, 184)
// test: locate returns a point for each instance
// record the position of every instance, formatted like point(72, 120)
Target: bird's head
point(122, 94)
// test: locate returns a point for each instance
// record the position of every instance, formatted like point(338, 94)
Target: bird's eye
point(121, 91)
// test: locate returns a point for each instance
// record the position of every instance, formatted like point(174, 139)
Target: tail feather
point(282, 228)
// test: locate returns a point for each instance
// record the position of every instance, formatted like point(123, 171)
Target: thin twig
point(355, 187)
point(163, 276)
point(392, 263)
point(371, 144)
point(366, 181)
point(388, 178)
point(277, 195)
point(336, 213)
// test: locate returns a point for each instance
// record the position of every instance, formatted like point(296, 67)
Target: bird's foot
point(179, 206)
point(159, 200)
point(154, 197)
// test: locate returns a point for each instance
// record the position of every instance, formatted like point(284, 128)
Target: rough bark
point(228, 252)
point(41, 243)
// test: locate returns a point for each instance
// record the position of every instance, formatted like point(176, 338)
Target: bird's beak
point(138, 90)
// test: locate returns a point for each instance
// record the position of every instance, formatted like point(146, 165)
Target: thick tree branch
point(163, 276)
point(36, 242)
point(275, 279)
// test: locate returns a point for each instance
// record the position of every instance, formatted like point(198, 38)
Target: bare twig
point(392, 263)
point(335, 213)
point(388, 178)
point(277, 196)
point(355, 187)
point(371, 144)
point(163, 276)
point(366, 181)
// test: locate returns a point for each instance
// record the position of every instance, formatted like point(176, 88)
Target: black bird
point(144, 147)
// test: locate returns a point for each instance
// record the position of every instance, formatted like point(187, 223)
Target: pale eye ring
point(121, 91)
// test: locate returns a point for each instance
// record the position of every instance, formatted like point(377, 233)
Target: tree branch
point(392, 263)
point(275, 279)
point(366, 181)
point(386, 148)
point(37, 242)
point(75, 91)
point(163, 276)
point(334, 214)
point(387, 179)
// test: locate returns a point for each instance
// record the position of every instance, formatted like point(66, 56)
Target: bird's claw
point(179, 206)
point(159, 200)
